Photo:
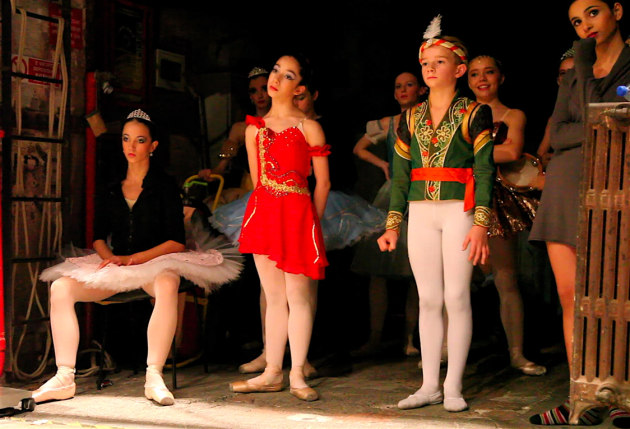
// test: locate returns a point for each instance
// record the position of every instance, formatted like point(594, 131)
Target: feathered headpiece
point(431, 37)
point(434, 29)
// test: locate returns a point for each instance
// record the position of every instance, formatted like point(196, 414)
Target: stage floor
point(366, 397)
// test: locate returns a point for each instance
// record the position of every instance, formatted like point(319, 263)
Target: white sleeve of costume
point(374, 132)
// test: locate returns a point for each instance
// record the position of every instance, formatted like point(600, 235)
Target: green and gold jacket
point(453, 161)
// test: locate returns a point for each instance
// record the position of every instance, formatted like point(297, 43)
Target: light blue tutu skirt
point(347, 219)
point(368, 258)
point(228, 218)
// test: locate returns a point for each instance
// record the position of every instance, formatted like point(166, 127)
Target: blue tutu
point(228, 218)
point(347, 219)
point(368, 258)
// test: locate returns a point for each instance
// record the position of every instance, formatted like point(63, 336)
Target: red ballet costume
point(280, 220)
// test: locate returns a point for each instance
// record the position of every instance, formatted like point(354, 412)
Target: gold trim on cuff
point(483, 216)
point(394, 219)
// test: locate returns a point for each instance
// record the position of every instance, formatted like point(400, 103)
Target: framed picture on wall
point(169, 70)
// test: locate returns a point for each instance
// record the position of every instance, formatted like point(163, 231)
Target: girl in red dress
point(281, 224)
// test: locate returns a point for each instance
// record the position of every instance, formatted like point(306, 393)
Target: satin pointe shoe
point(522, 364)
point(455, 404)
point(59, 387)
point(420, 399)
point(309, 371)
point(307, 394)
point(159, 394)
point(47, 393)
point(530, 368)
point(254, 366)
point(246, 386)
point(155, 389)
point(410, 350)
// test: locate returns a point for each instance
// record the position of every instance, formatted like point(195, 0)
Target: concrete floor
point(499, 397)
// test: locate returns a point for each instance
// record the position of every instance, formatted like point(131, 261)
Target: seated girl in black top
point(142, 215)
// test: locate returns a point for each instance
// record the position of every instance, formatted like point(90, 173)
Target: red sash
point(461, 175)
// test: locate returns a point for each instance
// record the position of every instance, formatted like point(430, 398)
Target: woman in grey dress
point(602, 62)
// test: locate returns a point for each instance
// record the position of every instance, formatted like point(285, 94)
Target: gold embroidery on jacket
point(434, 144)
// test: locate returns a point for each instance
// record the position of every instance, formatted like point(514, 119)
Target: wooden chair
point(137, 296)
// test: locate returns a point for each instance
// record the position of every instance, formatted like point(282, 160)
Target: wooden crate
point(601, 358)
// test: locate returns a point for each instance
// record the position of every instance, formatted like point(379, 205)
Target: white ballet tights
point(65, 292)
point(289, 314)
point(437, 230)
point(163, 321)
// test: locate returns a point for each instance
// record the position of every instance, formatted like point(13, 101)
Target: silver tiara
point(139, 114)
point(256, 71)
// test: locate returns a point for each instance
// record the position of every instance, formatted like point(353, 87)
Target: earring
point(150, 153)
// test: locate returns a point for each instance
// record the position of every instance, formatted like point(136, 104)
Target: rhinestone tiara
point(139, 114)
point(256, 71)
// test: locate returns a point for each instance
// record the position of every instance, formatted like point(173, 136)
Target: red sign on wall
point(35, 67)
point(76, 25)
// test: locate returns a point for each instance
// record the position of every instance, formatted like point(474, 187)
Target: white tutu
point(213, 263)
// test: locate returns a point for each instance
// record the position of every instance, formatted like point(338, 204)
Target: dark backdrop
point(360, 46)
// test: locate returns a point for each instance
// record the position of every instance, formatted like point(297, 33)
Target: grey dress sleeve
point(567, 124)
point(579, 84)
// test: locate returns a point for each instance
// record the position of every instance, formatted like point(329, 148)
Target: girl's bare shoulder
point(250, 132)
point(313, 132)
point(515, 117)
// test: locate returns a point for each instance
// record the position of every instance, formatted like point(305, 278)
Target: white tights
point(66, 292)
point(289, 314)
point(437, 230)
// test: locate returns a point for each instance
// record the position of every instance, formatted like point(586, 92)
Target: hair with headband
point(432, 37)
